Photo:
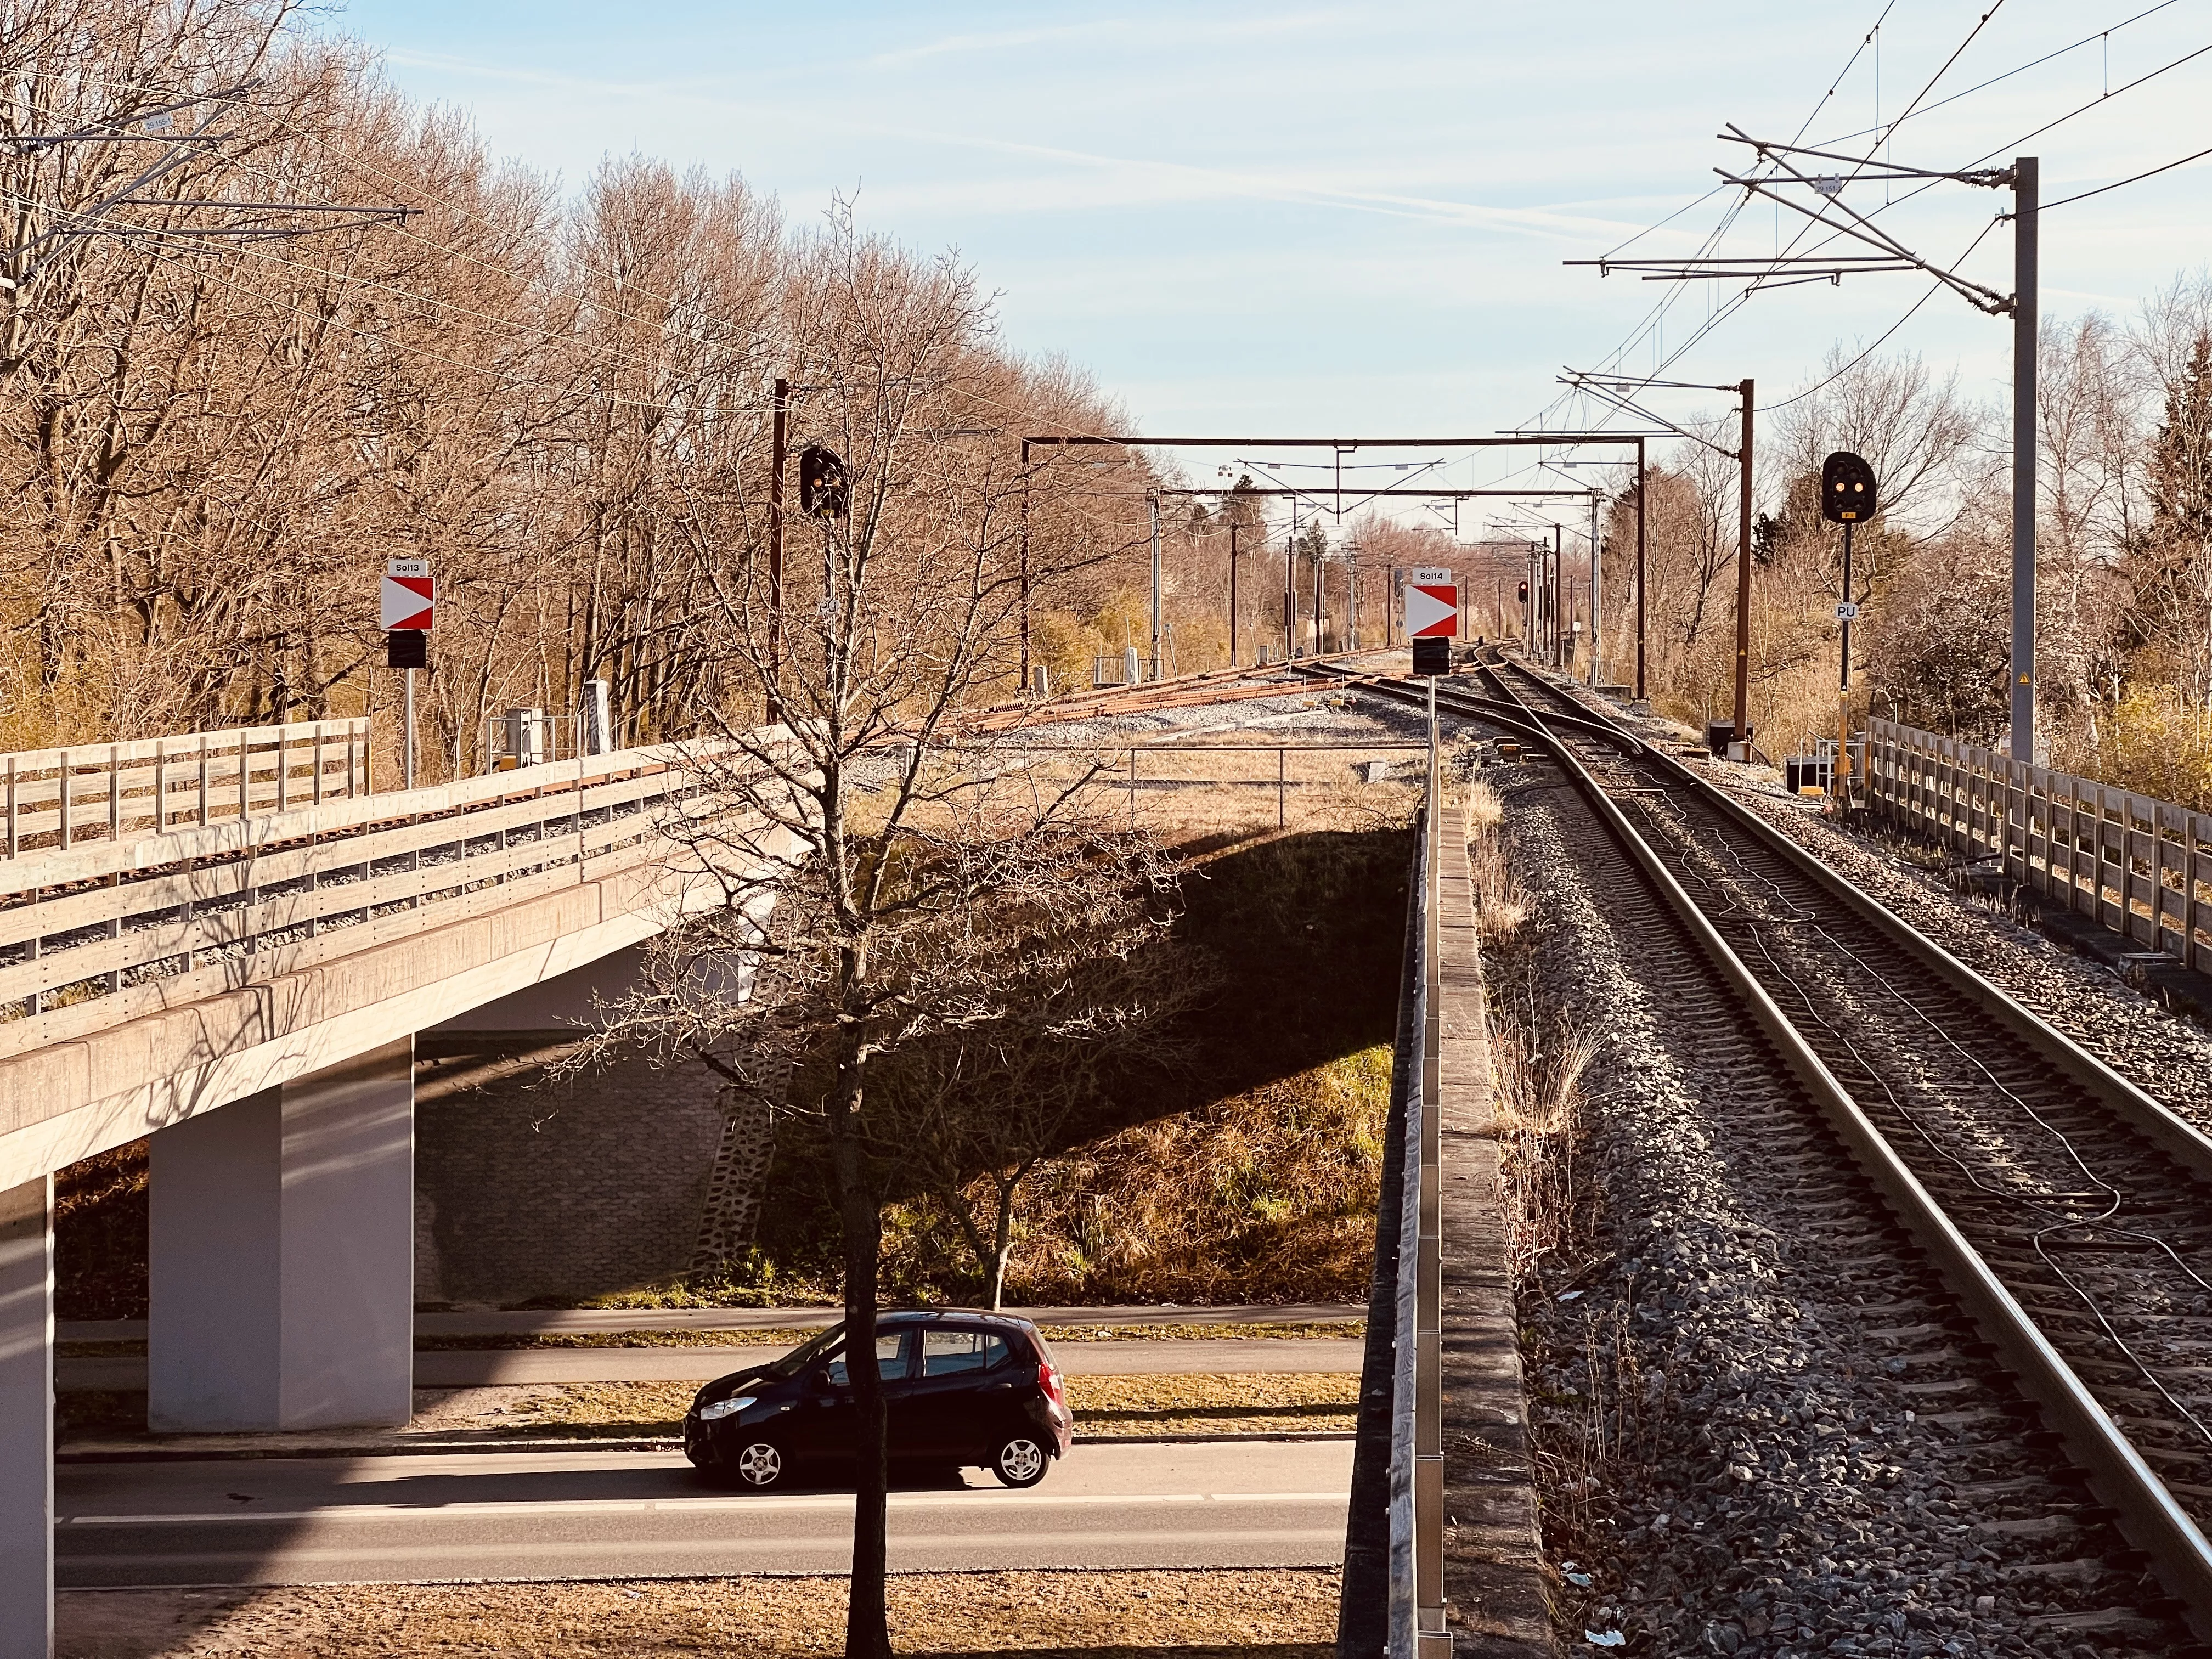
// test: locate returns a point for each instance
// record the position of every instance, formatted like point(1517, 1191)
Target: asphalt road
point(476, 1368)
point(586, 1515)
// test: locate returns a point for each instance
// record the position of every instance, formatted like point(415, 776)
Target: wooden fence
point(2140, 865)
point(58, 798)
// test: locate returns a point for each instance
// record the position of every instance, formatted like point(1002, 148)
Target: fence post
point(204, 783)
point(1282, 780)
point(61, 785)
point(2189, 890)
point(1133, 786)
point(115, 792)
point(14, 841)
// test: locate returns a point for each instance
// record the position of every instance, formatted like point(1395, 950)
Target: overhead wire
point(2104, 35)
point(2117, 183)
point(1736, 301)
point(1654, 318)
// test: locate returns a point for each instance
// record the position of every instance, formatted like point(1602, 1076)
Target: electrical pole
point(1156, 588)
point(1594, 580)
point(2025, 181)
point(1025, 587)
point(1742, 733)
point(1291, 588)
point(778, 436)
point(1320, 599)
point(1558, 593)
point(1639, 570)
point(1232, 592)
point(1352, 602)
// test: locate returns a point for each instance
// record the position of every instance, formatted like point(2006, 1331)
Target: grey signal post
point(1156, 589)
point(2025, 185)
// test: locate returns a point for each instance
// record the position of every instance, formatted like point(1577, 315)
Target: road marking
point(1308, 1543)
point(692, 1506)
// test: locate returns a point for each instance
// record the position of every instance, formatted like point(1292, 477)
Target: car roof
point(930, 1316)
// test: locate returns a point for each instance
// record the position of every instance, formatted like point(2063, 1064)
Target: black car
point(960, 1388)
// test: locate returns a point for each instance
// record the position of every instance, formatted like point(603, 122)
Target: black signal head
point(822, 490)
point(1847, 488)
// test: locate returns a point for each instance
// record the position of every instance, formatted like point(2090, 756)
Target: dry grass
point(1270, 1403)
point(1283, 1613)
point(1266, 1402)
point(1269, 1196)
point(1186, 794)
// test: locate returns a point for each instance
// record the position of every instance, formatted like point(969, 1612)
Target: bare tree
point(1091, 983)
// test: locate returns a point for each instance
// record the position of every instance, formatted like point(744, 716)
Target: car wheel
point(758, 1466)
point(1020, 1460)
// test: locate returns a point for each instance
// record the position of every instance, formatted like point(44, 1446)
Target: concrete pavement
point(587, 1515)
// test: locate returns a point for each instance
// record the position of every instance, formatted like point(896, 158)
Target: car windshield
point(806, 1353)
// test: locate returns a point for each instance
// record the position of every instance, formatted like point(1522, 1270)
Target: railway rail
point(2068, 1214)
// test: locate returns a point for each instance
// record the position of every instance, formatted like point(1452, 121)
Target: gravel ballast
point(1766, 1430)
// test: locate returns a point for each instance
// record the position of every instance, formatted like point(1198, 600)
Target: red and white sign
point(407, 596)
point(1432, 606)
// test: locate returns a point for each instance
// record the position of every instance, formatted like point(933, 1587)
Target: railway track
point(2068, 1215)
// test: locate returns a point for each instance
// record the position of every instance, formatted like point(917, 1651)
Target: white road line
point(1329, 1540)
point(694, 1505)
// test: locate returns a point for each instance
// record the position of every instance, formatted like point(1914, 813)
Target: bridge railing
point(57, 797)
point(107, 930)
point(2140, 865)
point(1393, 1594)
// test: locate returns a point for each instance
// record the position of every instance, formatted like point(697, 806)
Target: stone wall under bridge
point(531, 1183)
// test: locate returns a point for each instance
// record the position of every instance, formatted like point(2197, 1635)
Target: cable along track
point(2069, 1213)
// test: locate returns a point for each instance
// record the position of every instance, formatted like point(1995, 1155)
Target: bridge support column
point(282, 1255)
point(27, 1420)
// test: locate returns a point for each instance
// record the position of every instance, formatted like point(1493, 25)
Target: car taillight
point(1048, 1380)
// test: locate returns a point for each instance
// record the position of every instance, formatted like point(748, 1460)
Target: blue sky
point(1321, 219)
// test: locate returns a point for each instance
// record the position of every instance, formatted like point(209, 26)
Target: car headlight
point(729, 1407)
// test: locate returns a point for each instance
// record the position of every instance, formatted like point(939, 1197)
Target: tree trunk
point(1002, 1245)
point(867, 1629)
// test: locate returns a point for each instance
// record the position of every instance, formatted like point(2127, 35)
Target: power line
point(1882, 338)
point(2084, 196)
point(2034, 62)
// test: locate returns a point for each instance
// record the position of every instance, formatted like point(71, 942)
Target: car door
point(946, 1411)
point(829, 1424)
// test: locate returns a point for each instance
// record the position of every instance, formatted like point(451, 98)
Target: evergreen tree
point(2180, 469)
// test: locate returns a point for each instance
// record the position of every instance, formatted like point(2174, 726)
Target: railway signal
point(1850, 496)
point(1432, 619)
point(1848, 492)
point(823, 489)
point(407, 606)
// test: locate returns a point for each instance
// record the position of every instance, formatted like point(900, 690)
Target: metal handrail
point(1416, 1626)
point(108, 930)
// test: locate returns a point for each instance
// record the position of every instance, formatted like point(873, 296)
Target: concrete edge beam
point(1494, 1592)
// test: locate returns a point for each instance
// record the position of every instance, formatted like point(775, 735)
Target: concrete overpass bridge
point(227, 943)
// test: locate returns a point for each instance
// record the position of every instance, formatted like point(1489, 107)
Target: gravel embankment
point(1768, 1431)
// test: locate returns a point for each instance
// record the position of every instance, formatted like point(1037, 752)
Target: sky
point(1333, 221)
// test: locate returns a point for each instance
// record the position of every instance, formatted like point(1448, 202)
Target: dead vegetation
point(1539, 1060)
point(1279, 1614)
